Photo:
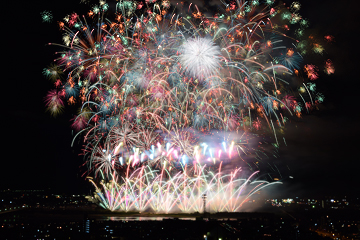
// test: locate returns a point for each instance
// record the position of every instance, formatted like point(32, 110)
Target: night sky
point(322, 151)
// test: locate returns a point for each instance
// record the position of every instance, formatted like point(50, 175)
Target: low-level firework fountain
point(162, 192)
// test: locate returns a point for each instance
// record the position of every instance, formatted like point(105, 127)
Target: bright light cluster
point(163, 192)
point(200, 57)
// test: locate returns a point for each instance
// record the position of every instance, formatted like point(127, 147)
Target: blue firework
point(268, 104)
point(290, 59)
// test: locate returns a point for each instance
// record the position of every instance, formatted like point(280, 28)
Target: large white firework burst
point(200, 57)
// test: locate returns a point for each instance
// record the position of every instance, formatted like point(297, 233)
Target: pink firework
point(329, 67)
point(311, 71)
point(79, 122)
point(54, 102)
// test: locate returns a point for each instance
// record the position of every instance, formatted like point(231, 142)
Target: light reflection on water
point(143, 218)
point(134, 218)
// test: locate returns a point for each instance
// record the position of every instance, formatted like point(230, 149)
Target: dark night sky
point(322, 150)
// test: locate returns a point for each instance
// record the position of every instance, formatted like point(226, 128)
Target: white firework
point(200, 57)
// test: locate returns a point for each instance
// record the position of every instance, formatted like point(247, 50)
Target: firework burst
point(200, 57)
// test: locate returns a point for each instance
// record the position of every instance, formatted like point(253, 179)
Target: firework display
point(145, 189)
point(169, 96)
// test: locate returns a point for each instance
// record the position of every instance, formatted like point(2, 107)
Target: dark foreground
point(91, 224)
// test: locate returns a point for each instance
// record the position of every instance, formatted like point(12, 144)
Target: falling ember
point(318, 48)
point(329, 38)
point(329, 67)
point(311, 71)
point(290, 52)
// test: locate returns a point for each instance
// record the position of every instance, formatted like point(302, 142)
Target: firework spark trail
point(166, 91)
point(161, 191)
